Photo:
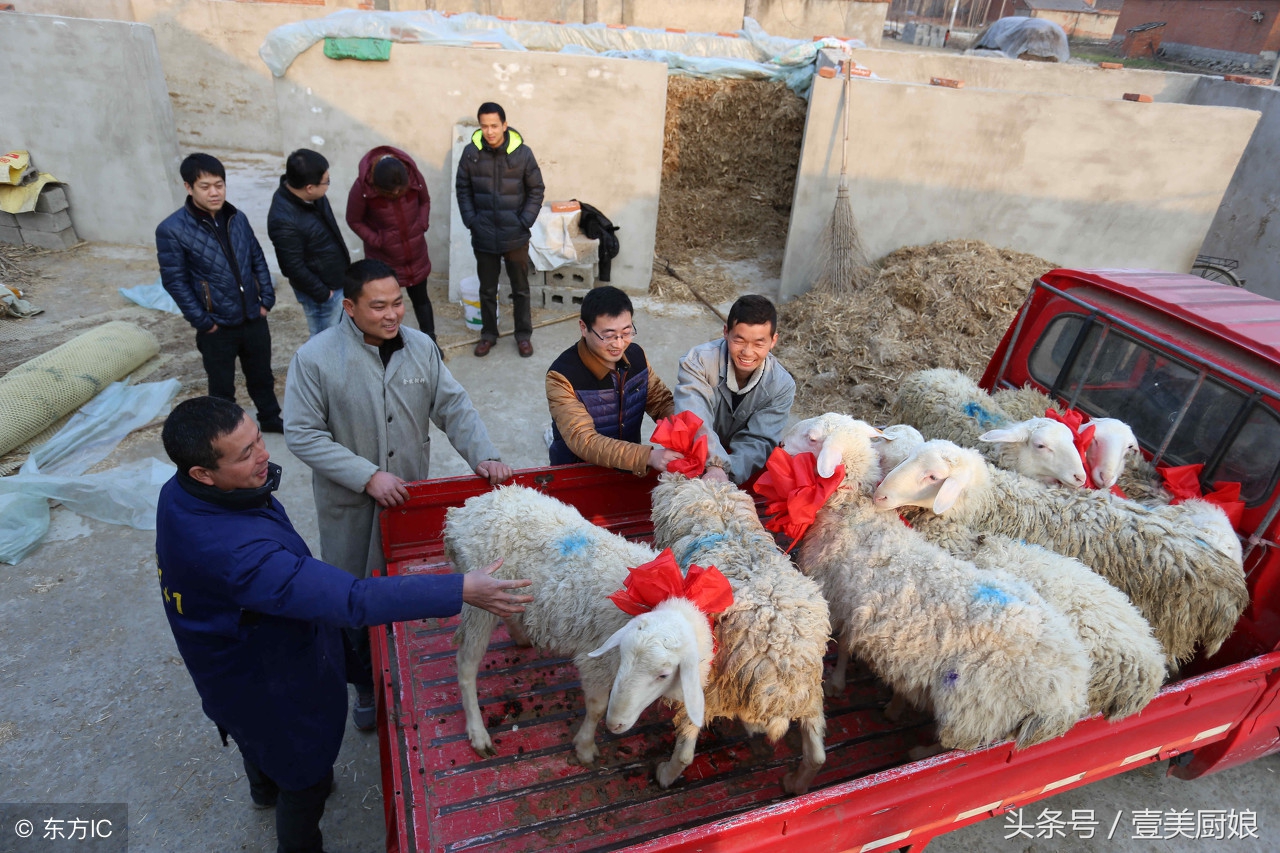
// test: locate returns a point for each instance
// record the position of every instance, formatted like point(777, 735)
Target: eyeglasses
point(323, 184)
point(613, 337)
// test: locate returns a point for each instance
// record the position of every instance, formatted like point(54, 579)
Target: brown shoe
point(482, 348)
point(525, 347)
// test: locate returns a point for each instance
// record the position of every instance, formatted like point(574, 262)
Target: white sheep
point(575, 565)
point(944, 403)
point(1190, 592)
point(978, 645)
point(955, 409)
point(768, 671)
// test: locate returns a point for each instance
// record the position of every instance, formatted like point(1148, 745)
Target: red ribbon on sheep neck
point(794, 492)
point(1073, 419)
point(1183, 482)
point(660, 579)
point(680, 433)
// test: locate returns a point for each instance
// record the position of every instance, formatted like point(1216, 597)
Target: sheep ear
point(1001, 436)
point(611, 643)
point(952, 487)
point(828, 458)
point(691, 683)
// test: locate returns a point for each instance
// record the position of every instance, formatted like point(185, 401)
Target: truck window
point(1146, 389)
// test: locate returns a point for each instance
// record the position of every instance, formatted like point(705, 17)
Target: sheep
point(979, 645)
point(768, 671)
point(1190, 592)
point(955, 408)
point(574, 566)
point(947, 404)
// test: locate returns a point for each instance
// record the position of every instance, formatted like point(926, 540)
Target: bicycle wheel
point(1213, 272)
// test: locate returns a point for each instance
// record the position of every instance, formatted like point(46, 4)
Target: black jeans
point(298, 813)
point(251, 343)
point(422, 308)
point(487, 268)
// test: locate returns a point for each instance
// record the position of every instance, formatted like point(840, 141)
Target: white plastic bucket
point(470, 291)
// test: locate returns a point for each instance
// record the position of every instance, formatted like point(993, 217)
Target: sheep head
point(1042, 449)
point(665, 653)
point(895, 444)
point(1113, 443)
point(934, 476)
point(837, 439)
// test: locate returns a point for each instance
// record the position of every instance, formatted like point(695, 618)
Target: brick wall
point(1218, 24)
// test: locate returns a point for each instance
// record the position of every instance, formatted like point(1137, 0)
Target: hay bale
point(730, 153)
point(942, 305)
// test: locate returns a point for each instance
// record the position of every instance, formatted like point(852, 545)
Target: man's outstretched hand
point(481, 589)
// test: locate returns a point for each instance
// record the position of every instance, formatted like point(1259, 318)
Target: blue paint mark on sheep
point(573, 543)
point(985, 419)
point(949, 680)
point(703, 542)
point(986, 594)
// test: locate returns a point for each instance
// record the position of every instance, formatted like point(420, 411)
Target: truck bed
point(441, 796)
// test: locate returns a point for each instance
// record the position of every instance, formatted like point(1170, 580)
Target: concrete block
point(10, 235)
point(51, 200)
point(572, 277)
point(51, 222)
point(565, 297)
point(55, 240)
point(8, 220)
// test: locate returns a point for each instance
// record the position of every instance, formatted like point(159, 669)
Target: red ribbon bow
point(649, 585)
point(1183, 482)
point(680, 433)
point(795, 492)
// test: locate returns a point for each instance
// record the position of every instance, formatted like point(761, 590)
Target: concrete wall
point(1078, 181)
point(87, 98)
point(704, 16)
point(1247, 227)
point(1081, 25)
point(804, 19)
point(980, 72)
point(594, 124)
point(569, 11)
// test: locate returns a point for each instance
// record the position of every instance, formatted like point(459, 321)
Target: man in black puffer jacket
point(499, 195)
point(309, 246)
point(212, 266)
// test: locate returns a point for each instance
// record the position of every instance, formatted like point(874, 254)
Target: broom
point(846, 267)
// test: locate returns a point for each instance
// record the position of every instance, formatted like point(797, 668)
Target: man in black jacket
point(499, 195)
point(309, 246)
point(213, 267)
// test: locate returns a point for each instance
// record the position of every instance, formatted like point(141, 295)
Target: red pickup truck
point(1193, 366)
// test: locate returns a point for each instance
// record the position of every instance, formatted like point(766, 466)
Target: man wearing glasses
point(309, 246)
point(599, 389)
point(739, 390)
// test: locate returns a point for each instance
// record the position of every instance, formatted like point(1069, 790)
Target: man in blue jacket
point(212, 266)
point(257, 619)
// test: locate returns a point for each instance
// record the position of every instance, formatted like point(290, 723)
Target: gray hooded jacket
point(739, 441)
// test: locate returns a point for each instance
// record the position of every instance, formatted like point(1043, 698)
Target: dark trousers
point(298, 813)
point(251, 343)
point(359, 657)
point(422, 308)
point(488, 267)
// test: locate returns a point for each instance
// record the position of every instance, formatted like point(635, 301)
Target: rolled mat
point(37, 393)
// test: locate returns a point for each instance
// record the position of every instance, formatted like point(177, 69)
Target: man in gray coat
point(740, 391)
point(356, 409)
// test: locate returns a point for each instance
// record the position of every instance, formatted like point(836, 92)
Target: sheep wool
point(978, 645)
point(1190, 592)
point(768, 671)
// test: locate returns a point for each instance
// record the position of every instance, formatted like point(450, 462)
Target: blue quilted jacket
point(213, 280)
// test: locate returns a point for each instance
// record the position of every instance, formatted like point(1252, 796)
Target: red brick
point(728, 35)
point(1139, 98)
point(675, 30)
point(948, 83)
point(1110, 66)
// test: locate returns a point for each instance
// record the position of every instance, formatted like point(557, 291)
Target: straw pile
point(730, 153)
point(943, 305)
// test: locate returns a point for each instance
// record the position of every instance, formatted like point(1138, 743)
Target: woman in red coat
point(390, 209)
